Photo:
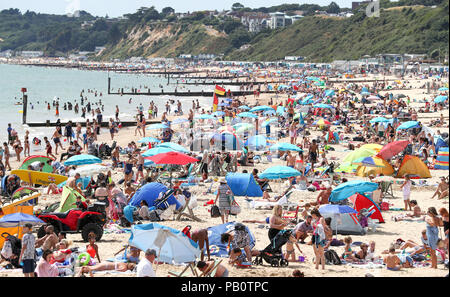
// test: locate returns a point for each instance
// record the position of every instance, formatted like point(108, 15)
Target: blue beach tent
point(243, 184)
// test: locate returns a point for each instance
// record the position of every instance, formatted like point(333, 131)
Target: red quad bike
point(75, 221)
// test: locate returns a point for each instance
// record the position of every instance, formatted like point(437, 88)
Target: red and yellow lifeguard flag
point(219, 90)
point(215, 102)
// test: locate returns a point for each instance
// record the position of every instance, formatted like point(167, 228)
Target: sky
point(115, 8)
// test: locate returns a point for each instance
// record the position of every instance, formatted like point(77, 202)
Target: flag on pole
point(219, 90)
point(215, 103)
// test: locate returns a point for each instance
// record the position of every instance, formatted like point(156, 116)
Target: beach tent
point(243, 184)
point(442, 159)
point(360, 202)
point(150, 193)
point(216, 247)
point(344, 223)
point(412, 165)
point(31, 159)
point(364, 171)
point(24, 205)
point(347, 189)
point(332, 137)
point(68, 199)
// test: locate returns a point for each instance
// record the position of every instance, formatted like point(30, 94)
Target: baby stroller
point(272, 254)
point(11, 250)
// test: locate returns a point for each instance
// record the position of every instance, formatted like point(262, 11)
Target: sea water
point(45, 84)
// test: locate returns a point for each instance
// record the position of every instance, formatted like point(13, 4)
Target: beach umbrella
point(91, 169)
point(361, 152)
point(156, 150)
point(372, 146)
point(244, 107)
point(443, 89)
point(325, 106)
point(364, 93)
point(172, 245)
point(369, 162)
point(336, 211)
point(399, 96)
point(83, 159)
point(392, 149)
point(149, 140)
point(284, 146)
point(19, 219)
point(281, 110)
point(261, 108)
point(179, 121)
point(329, 93)
point(373, 97)
point(157, 126)
point(347, 189)
point(247, 115)
point(269, 112)
point(321, 122)
point(277, 172)
point(408, 125)
point(172, 158)
point(227, 140)
point(256, 142)
point(218, 113)
point(224, 104)
point(379, 120)
point(173, 146)
point(440, 99)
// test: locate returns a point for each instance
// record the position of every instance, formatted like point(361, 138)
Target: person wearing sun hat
point(224, 194)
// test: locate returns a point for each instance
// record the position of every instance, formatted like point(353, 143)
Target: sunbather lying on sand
point(106, 266)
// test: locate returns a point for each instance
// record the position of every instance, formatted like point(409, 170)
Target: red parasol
point(392, 149)
point(172, 158)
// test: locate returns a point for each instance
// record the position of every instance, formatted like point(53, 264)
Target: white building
point(277, 20)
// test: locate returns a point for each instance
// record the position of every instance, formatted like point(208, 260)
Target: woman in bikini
point(26, 144)
point(107, 266)
point(57, 139)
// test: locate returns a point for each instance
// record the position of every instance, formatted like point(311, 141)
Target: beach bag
point(384, 206)
point(235, 209)
point(215, 212)
point(154, 216)
point(332, 258)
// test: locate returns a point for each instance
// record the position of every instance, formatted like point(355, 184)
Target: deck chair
point(292, 215)
point(184, 272)
point(386, 189)
point(213, 271)
point(190, 213)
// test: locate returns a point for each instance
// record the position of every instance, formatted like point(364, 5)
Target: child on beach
point(290, 251)
point(392, 261)
point(48, 148)
point(92, 248)
point(406, 187)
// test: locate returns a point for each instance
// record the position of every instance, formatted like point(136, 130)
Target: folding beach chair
point(265, 186)
point(213, 271)
point(189, 214)
point(184, 272)
point(386, 189)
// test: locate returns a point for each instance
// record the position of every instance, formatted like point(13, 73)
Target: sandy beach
point(384, 235)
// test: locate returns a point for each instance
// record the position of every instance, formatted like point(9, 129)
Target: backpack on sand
point(332, 258)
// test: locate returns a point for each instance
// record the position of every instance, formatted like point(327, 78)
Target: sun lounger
point(190, 213)
point(184, 272)
point(386, 189)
